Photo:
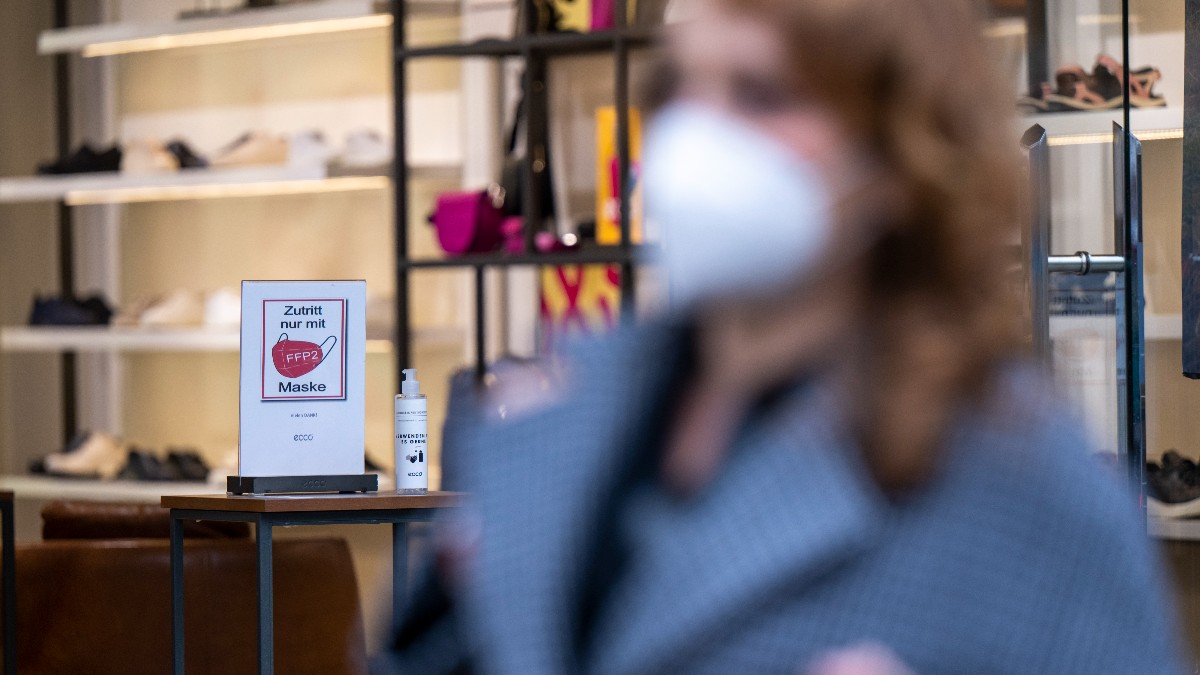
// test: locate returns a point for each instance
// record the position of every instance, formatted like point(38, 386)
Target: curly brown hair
point(913, 78)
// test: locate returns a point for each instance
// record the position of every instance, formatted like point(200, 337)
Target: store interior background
point(340, 82)
point(336, 83)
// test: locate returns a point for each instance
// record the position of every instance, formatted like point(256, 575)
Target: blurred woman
point(828, 452)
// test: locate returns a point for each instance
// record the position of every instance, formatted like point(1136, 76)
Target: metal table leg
point(266, 597)
point(10, 589)
point(177, 591)
point(399, 571)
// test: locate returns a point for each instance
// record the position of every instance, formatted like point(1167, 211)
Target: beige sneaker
point(255, 148)
point(147, 155)
point(181, 308)
point(99, 456)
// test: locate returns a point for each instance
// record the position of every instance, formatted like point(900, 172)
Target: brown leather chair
point(104, 605)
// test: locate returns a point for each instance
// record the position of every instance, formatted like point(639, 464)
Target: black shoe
point(142, 465)
point(1175, 480)
point(85, 160)
point(187, 158)
point(186, 465)
point(58, 311)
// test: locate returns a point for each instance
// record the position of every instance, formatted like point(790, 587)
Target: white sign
point(303, 359)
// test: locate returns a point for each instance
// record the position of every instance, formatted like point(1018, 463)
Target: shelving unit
point(535, 49)
point(97, 355)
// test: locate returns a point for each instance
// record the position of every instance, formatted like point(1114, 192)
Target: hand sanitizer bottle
point(412, 473)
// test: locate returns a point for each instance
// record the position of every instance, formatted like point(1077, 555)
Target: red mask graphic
point(296, 358)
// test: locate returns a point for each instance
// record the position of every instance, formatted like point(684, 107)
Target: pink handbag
point(469, 222)
point(604, 14)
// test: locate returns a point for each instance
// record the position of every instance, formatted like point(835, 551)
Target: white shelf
point(134, 339)
point(103, 338)
point(1179, 529)
point(1066, 128)
point(116, 188)
point(300, 18)
point(48, 487)
point(260, 181)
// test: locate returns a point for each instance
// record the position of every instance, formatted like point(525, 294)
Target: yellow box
point(608, 199)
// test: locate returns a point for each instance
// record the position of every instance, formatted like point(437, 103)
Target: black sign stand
point(264, 485)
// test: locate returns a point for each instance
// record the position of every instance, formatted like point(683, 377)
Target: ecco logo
point(302, 437)
point(314, 483)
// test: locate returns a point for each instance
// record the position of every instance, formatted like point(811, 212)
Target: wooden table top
point(371, 501)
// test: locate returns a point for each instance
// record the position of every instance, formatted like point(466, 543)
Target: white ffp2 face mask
point(739, 213)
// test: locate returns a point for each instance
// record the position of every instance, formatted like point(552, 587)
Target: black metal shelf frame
point(535, 49)
point(66, 229)
point(597, 255)
point(547, 44)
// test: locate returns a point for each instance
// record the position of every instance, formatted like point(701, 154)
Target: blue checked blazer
point(1022, 554)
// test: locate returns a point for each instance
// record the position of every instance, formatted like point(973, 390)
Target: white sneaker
point(147, 155)
point(254, 148)
point(100, 455)
point(308, 148)
point(222, 308)
point(366, 148)
point(181, 308)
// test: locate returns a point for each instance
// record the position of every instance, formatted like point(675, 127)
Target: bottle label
point(411, 444)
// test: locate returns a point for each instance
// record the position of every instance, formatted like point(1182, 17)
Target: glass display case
point(1103, 248)
point(1065, 64)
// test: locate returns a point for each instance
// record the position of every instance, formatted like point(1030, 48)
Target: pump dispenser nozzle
point(410, 386)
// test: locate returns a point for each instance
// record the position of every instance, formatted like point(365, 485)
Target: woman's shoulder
point(1030, 440)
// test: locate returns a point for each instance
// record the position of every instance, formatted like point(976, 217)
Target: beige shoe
point(131, 314)
point(147, 155)
point(99, 456)
point(181, 308)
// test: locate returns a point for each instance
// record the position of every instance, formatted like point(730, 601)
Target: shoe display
point(1173, 486)
point(94, 455)
point(181, 308)
point(185, 156)
point(131, 314)
point(222, 308)
point(365, 152)
point(309, 148)
point(86, 159)
point(254, 148)
point(145, 156)
point(141, 465)
point(98, 456)
point(59, 311)
point(184, 464)
point(1102, 89)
